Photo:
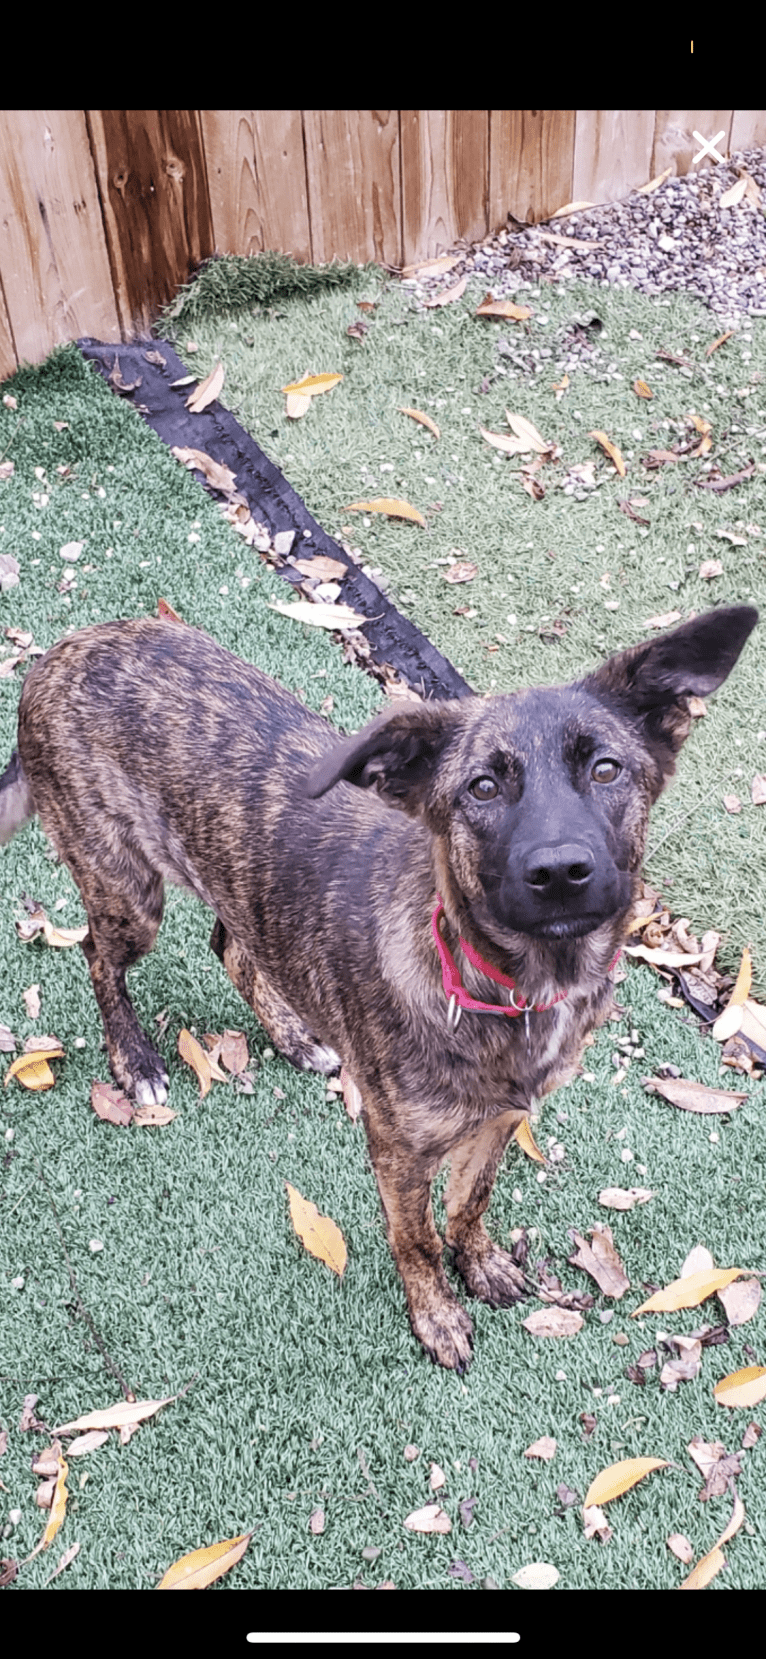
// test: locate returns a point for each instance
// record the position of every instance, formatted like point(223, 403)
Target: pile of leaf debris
point(723, 1004)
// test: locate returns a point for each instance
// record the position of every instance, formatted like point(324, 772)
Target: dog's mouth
point(566, 927)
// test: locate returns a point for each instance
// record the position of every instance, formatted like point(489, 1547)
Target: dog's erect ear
point(654, 680)
point(396, 753)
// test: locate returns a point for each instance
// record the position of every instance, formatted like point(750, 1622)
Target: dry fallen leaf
point(202, 1063)
point(730, 1020)
point(390, 505)
point(164, 609)
point(219, 477)
point(741, 1301)
point(207, 390)
point(711, 1564)
point(447, 295)
point(600, 1260)
point(58, 1505)
point(525, 1139)
point(432, 267)
point(544, 1448)
point(313, 384)
point(429, 1519)
point(326, 569)
point(234, 1052)
point(611, 450)
point(504, 441)
point(553, 1322)
point(623, 1198)
point(620, 1477)
point(503, 308)
point(203, 1566)
point(689, 1292)
point(37, 922)
point(319, 615)
point(425, 420)
point(527, 433)
point(297, 404)
point(31, 1068)
point(352, 1099)
point(461, 571)
point(32, 1001)
point(758, 789)
point(641, 389)
point(665, 620)
point(66, 1561)
point(694, 1097)
point(710, 568)
point(536, 1575)
point(320, 1234)
point(111, 1103)
point(742, 1388)
point(115, 1417)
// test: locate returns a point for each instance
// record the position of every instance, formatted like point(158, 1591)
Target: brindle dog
point(150, 753)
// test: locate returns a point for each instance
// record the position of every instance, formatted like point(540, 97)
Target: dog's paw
point(141, 1073)
point(446, 1332)
point(151, 1091)
point(319, 1057)
point(492, 1276)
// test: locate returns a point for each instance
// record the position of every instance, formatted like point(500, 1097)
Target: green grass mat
point(308, 1391)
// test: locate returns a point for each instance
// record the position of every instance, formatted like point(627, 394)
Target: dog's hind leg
point(124, 908)
point(489, 1272)
point(279, 1020)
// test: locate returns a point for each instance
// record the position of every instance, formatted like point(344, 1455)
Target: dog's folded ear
point(654, 680)
point(396, 753)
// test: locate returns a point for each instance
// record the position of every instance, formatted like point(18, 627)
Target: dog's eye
point(605, 771)
point(483, 789)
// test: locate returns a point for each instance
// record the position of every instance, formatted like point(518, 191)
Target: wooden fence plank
point(613, 153)
point(531, 163)
point(445, 163)
point(53, 259)
point(256, 171)
point(674, 142)
point(151, 172)
point(352, 160)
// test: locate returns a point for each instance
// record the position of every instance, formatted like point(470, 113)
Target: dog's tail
point(16, 804)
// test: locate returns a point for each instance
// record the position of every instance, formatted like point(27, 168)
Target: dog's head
point(539, 800)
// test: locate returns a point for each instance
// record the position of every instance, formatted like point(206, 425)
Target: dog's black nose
point(558, 873)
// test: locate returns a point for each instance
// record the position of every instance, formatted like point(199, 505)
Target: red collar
point(456, 993)
point(455, 990)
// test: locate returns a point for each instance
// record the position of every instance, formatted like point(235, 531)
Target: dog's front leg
point(120, 931)
point(404, 1178)
point(489, 1272)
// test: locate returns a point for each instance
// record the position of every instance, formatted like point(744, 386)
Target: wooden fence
point(104, 212)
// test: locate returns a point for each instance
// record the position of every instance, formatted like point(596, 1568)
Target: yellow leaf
point(204, 1566)
point(425, 420)
point(388, 504)
point(58, 1507)
point(503, 308)
point(63, 936)
point(319, 1233)
point(641, 389)
point(705, 1570)
point(525, 1139)
point(207, 391)
point(312, 384)
point(742, 1388)
point(195, 1056)
point(729, 1021)
point(611, 450)
point(689, 1292)
point(619, 1477)
point(115, 1417)
point(32, 1067)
